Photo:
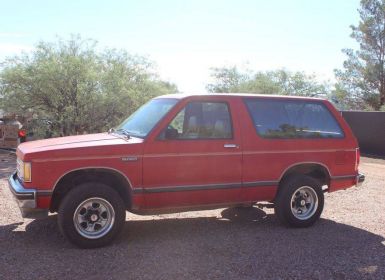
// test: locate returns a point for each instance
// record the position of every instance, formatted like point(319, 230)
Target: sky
point(185, 38)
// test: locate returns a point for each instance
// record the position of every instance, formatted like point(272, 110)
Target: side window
point(292, 119)
point(202, 120)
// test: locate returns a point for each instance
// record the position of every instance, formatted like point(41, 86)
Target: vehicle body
point(191, 152)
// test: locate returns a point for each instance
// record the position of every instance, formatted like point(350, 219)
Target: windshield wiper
point(120, 131)
point(124, 132)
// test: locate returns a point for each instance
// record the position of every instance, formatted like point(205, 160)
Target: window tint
point(203, 120)
point(292, 119)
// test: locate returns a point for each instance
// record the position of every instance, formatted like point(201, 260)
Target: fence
point(369, 128)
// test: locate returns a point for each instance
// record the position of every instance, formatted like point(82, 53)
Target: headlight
point(24, 170)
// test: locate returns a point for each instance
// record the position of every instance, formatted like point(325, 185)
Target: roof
point(185, 95)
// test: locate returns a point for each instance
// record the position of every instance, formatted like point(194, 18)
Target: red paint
point(191, 163)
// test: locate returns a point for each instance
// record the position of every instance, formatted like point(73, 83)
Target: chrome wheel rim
point(94, 218)
point(304, 203)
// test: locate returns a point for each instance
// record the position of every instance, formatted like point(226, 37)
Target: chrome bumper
point(360, 178)
point(26, 199)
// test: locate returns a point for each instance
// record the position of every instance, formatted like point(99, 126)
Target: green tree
point(363, 76)
point(226, 79)
point(77, 88)
point(271, 82)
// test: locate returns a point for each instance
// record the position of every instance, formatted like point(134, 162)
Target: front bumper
point(360, 178)
point(26, 199)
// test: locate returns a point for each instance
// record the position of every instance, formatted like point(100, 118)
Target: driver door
point(196, 159)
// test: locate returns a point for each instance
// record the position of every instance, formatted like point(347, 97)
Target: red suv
point(189, 152)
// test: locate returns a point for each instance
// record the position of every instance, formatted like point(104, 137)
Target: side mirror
point(171, 133)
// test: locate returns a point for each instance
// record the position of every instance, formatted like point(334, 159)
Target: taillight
point(358, 155)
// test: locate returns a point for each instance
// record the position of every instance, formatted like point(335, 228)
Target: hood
point(90, 144)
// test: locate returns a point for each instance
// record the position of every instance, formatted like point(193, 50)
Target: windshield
point(140, 123)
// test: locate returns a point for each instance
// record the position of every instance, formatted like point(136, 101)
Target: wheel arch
point(315, 170)
point(109, 176)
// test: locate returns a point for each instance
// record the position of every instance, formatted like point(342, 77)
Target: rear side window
point(292, 119)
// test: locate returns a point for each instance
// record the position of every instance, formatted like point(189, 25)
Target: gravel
point(232, 243)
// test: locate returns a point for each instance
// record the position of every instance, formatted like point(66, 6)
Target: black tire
point(109, 209)
point(299, 202)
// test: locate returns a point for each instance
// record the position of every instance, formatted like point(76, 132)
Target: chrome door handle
point(233, 146)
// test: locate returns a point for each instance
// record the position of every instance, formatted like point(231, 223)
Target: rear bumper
point(26, 199)
point(360, 178)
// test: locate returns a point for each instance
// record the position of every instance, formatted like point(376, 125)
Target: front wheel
point(299, 202)
point(91, 215)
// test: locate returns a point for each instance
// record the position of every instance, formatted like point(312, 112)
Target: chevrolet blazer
point(190, 152)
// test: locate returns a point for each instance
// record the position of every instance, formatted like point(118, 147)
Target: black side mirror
point(171, 133)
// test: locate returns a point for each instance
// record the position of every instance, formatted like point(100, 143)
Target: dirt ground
point(244, 243)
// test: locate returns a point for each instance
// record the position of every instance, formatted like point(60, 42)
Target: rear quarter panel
point(268, 159)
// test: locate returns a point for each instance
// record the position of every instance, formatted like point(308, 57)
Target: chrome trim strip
point(343, 177)
point(43, 193)
point(297, 151)
point(192, 154)
point(260, 184)
point(188, 188)
point(205, 187)
point(85, 158)
point(244, 153)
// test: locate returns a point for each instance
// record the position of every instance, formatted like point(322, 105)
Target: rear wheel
point(91, 215)
point(300, 201)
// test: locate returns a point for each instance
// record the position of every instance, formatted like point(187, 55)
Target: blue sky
point(186, 38)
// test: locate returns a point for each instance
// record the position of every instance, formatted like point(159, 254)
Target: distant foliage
point(362, 81)
point(77, 88)
point(271, 82)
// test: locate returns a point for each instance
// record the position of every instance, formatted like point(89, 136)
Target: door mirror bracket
point(171, 133)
